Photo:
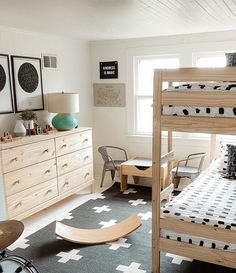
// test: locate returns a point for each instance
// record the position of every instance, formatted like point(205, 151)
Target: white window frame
point(132, 120)
point(197, 55)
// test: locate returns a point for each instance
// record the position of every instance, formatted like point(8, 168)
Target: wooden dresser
point(37, 171)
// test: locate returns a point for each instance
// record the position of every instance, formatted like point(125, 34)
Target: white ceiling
point(118, 19)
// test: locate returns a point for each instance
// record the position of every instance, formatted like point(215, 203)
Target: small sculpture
point(47, 129)
point(6, 137)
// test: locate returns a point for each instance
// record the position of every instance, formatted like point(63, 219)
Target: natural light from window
point(212, 61)
point(144, 89)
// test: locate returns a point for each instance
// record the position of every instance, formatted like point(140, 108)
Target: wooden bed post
point(169, 168)
point(156, 167)
point(213, 147)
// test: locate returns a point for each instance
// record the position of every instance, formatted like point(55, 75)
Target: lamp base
point(64, 122)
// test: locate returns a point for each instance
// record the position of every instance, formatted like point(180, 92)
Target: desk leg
point(136, 179)
point(123, 182)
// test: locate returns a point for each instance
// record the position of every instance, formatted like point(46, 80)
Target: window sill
point(138, 138)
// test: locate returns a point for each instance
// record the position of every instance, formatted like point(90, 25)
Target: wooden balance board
point(100, 235)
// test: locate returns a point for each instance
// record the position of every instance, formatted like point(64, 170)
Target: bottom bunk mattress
point(209, 200)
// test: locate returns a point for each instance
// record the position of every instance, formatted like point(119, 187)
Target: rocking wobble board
point(100, 235)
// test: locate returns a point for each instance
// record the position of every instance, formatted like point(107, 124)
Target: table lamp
point(64, 104)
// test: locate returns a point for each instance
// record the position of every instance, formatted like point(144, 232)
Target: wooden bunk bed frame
point(212, 125)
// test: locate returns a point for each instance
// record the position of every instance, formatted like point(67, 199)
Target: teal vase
point(64, 122)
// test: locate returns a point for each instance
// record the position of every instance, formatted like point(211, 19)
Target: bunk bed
point(170, 122)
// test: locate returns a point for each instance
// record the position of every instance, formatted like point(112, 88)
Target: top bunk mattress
point(186, 110)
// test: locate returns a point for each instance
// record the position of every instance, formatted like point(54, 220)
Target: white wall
point(73, 73)
point(111, 124)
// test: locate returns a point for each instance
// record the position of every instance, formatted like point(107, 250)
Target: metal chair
point(111, 164)
point(187, 171)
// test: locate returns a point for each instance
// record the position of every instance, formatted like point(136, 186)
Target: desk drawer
point(74, 161)
point(26, 155)
point(136, 171)
point(75, 178)
point(73, 142)
point(27, 199)
point(27, 177)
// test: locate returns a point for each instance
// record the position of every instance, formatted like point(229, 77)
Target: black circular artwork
point(3, 78)
point(28, 77)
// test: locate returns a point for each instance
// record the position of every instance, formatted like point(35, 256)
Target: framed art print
point(6, 103)
point(27, 82)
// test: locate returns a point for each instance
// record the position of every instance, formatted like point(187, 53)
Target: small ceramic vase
point(29, 124)
point(19, 129)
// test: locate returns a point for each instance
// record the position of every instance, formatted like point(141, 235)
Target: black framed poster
point(6, 103)
point(109, 70)
point(27, 82)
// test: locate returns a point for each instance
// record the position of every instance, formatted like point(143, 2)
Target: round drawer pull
point(87, 174)
point(45, 151)
point(18, 204)
point(86, 157)
point(14, 159)
point(85, 140)
point(47, 171)
point(48, 191)
point(16, 182)
point(65, 165)
point(66, 183)
point(64, 146)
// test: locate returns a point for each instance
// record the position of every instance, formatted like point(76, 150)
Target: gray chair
point(187, 171)
point(111, 164)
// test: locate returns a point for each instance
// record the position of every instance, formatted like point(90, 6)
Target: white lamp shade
point(63, 103)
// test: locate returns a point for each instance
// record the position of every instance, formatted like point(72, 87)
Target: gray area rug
point(131, 254)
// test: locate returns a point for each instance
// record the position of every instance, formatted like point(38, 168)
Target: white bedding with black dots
point(209, 200)
point(201, 111)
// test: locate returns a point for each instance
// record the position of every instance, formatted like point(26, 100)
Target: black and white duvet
point(209, 200)
point(201, 111)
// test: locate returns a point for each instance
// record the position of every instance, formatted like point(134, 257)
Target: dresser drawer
point(25, 155)
point(73, 142)
point(27, 177)
point(75, 178)
point(74, 161)
point(27, 199)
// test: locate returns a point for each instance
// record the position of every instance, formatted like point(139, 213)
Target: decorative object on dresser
point(6, 137)
point(29, 117)
point(6, 103)
point(41, 170)
point(64, 104)
point(19, 129)
point(27, 82)
point(47, 129)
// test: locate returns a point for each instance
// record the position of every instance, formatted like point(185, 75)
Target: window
point(216, 59)
point(143, 88)
point(212, 59)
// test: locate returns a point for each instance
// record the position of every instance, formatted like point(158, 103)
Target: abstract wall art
point(27, 83)
point(109, 95)
point(6, 103)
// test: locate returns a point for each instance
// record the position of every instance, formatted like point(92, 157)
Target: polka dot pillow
point(222, 161)
point(231, 162)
